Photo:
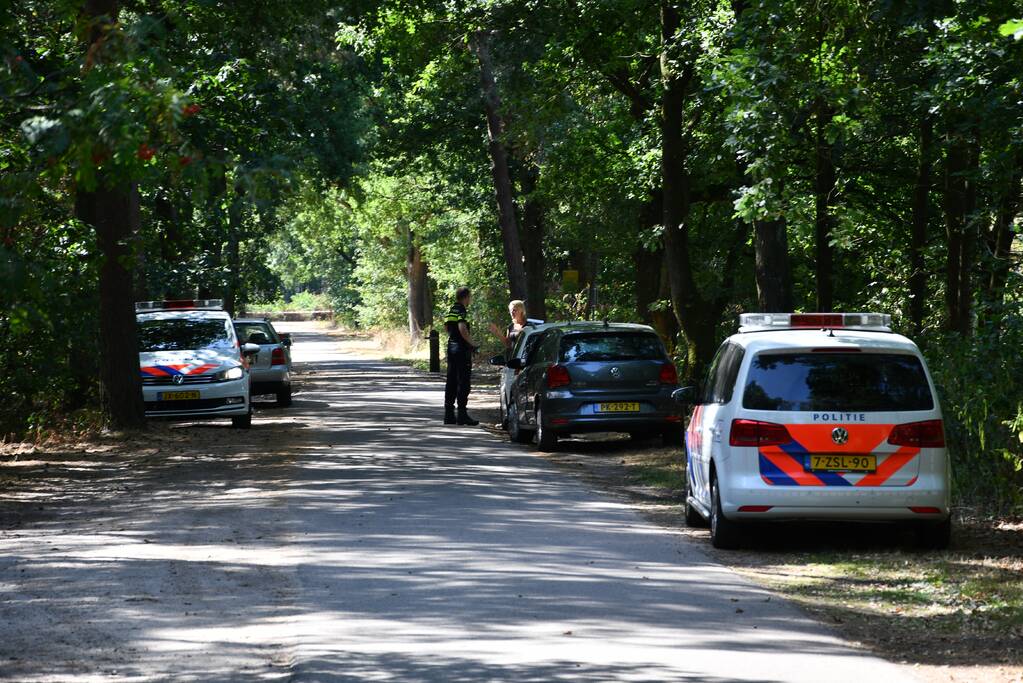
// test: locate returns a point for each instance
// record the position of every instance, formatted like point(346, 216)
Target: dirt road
point(353, 537)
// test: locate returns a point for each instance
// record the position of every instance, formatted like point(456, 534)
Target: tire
point(284, 397)
point(694, 520)
point(725, 534)
point(934, 535)
point(242, 421)
point(505, 421)
point(515, 430)
point(546, 440)
point(671, 437)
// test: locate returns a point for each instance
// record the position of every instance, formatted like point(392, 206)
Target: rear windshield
point(837, 381)
point(611, 346)
point(182, 335)
point(255, 333)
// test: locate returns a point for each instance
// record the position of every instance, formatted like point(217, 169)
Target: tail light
point(926, 434)
point(757, 433)
point(557, 376)
point(277, 357)
point(669, 375)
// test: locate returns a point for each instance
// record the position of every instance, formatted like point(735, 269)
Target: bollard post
point(434, 351)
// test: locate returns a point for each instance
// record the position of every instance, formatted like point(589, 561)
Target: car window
point(837, 381)
point(725, 372)
point(611, 346)
point(256, 333)
point(183, 334)
point(545, 351)
point(712, 373)
point(530, 344)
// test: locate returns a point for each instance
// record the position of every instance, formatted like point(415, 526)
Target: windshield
point(611, 346)
point(837, 381)
point(183, 334)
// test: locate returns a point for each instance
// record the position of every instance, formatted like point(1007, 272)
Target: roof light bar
point(757, 322)
point(180, 304)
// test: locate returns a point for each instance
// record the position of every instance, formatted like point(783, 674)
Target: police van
point(816, 416)
point(192, 363)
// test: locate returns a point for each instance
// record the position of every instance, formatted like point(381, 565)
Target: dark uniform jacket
point(456, 315)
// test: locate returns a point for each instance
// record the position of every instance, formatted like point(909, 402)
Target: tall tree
point(111, 206)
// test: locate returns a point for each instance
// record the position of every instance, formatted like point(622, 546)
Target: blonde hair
point(517, 303)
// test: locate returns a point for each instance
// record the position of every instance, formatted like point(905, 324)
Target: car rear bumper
point(878, 503)
point(561, 424)
point(275, 376)
point(579, 414)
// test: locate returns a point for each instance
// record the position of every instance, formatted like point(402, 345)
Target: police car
point(192, 363)
point(816, 416)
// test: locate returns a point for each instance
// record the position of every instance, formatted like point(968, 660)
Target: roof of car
point(585, 326)
point(249, 321)
point(768, 340)
point(185, 313)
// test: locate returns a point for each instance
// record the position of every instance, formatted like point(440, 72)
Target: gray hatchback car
point(594, 377)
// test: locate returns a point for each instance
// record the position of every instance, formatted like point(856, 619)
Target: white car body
point(190, 382)
point(838, 463)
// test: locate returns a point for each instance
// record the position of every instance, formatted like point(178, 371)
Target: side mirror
point(250, 349)
point(286, 339)
point(515, 364)
point(498, 360)
point(685, 395)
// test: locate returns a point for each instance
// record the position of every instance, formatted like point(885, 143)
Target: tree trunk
point(112, 213)
point(648, 266)
point(773, 274)
point(824, 186)
point(694, 315)
point(417, 271)
point(958, 204)
point(499, 169)
point(232, 257)
point(1001, 237)
point(533, 229)
point(918, 236)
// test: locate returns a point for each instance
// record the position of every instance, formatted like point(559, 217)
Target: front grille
point(193, 404)
point(151, 381)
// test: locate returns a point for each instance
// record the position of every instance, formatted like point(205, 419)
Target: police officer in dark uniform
point(460, 351)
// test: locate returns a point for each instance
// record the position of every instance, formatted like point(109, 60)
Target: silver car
point(271, 368)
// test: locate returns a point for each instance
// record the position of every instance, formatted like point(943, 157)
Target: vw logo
point(178, 379)
point(839, 435)
point(616, 373)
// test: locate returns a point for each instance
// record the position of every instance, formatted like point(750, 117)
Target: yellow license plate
point(622, 407)
point(179, 396)
point(843, 463)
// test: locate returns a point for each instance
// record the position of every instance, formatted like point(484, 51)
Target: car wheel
point(515, 430)
point(546, 440)
point(671, 437)
point(284, 397)
point(693, 517)
point(934, 535)
point(725, 534)
point(505, 420)
point(242, 421)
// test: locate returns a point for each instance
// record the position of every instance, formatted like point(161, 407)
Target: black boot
point(464, 419)
point(449, 416)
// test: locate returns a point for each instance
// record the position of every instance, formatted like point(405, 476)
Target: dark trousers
point(459, 377)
